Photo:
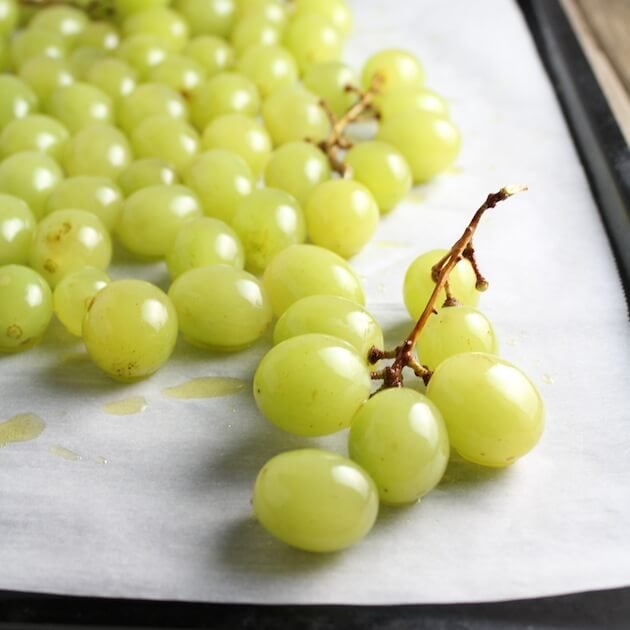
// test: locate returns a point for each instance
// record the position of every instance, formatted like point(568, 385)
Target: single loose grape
point(80, 104)
point(130, 329)
point(212, 53)
point(493, 412)
point(147, 172)
point(329, 80)
point(394, 68)
point(208, 17)
point(113, 76)
point(99, 34)
point(34, 133)
point(17, 225)
point(45, 74)
point(399, 437)
point(161, 22)
point(302, 270)
point(311, 39)
point(409, 98)
point(315, 500)
point(73, 295)
point(181, 73)
point(202, 242)
point(25, 308)
point(330, 315)
point(311, 384)
point(254, 30)
point(34, 42)
point(336, 12)
point(17, 99)
point(220, 307)
point(142, 52)
point(68, 22)
point(269, 67)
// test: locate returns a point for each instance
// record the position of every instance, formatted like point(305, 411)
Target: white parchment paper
point(168, 515)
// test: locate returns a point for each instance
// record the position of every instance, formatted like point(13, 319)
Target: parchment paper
point(168, 515)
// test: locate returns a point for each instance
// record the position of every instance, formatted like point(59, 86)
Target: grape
point(315, 500)
point(68, 240)
point(429, 143)
point(395, 68)
point(418, 284)
point(273, 11)
point(81, 60)
point(8, 17)
point(213, 54)
point(297, 168)
point(17, 224)
point(124, 8)
point(336, 12)
point(311, 38)
point(254, 30)
point(453, 330)
point(147, 172)
point(267, 221)
point(25, 308)
point(32, 176)
point(101, 35)
point(398, 436)
point(98, 195)
point(225, 93)
point(220, 307)
point(166, 138)
point(409, 98)
point(241, 135)
point(493, 412)
point(151, 217)
point(311, 384)
point(5, 57)
point(269, 67)
point(178, 72)
point(292, 113)
point(33, 42)
point(142, 52)
point(150, 99)
point(382, 169)
point(130, 329)
point(34, 133)
point(73, 295)
point(208, 17)
point(167, 25)
point(202, 242)
point(330, 315)
point(302, 270)
point(113, 76)
point(45, 74)
point(328, 80)
point(65, 21)
point(79, 105)
point(17, 100)
point(341, 215)
point(221, 179)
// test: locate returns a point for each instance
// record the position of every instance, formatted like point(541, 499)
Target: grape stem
point(402, 355)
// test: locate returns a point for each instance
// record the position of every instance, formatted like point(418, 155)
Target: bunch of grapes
point(216, 135)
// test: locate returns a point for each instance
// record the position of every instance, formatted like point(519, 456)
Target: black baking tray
point(606, 160)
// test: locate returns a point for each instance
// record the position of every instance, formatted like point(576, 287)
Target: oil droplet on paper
point(548, 380)
point(20, 428)
point(75, 357)
point(126, 406)
point(101, 460)
point(206, 387)
point(64, 453)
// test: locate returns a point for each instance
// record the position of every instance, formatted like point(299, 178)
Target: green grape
point(297, 167)
point(419, 284)
point(147, 172)
point(5, 56)
point(429, 143)
point(336, 12)
point(409, 98)
point(8, 17)
point(98, 195)
point(166, 138)
point(382, 169)
point(242, 135)
point(302, 270)
point(17, 225)
point(178, 72)
point(330, 315)
point(142, 52)
point(101, 35)
point(329, 80)
point(220, 307)
point(269, 67)
point(161, 22)
point(268, 221)
point(453, 330)
point(97, 150)
point(124, 8)
point(208, 17)
point(202, 242)
point(31, 176)
point(130, 329)
point(114, 77)
point(254, 30)
point(493, 412)
point(79, 105)
point(341, 215)
point(311, 384)
point(395, 68)
point(25, 308)
point(34, 133)
point(33, 42)
point(311, 39)
point(73, 295)
point(399, 437)
point(212, 53)
point(150, 99)
point(45, 74)
point(68, 240)
point(315, 500)
point(274, 11)
point(68, 22)
point(292, 113)
point(151, 217)
point(221, 179)
point(225, 93)
point(81, 60)
point(17, 99)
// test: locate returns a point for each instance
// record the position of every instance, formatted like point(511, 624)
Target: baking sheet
point(158, 504)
